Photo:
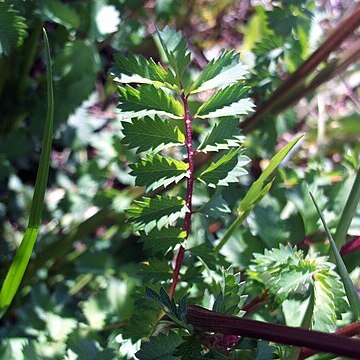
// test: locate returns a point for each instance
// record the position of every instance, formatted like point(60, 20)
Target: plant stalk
point(189, 192)
point(206, 320)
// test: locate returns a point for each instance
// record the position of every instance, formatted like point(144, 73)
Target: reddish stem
point(190, 185)
point(348, 331)
point(350, 246)
point(209, 321)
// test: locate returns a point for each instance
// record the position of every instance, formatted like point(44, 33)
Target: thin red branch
point(255, 303)
point(350, 246)
point(206, 320)
point(189, 192)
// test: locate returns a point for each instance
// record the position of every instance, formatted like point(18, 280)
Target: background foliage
point(83, 284)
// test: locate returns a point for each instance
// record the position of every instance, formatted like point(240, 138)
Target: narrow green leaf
point(156, 212)
point(226, 170)
point(220, 72)
point(224, 135)
point(137, 69)
point(231, 101)
point(12, 29)
point(149, 134)
point(148, 100)
point(155, 171)
point(22, 257)
point(175, 48)
point(350, 289)
point(348, 212)
point(256, 187)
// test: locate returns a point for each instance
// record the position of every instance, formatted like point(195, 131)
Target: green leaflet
point(220, 72)
point(226, 170)
point(17, 269)
point(231, 101)
point(231, 298)
point(286, 274)
point(155, 271)
point(12, 29)
point(155, 171)
point(162, 240)
point(156, 212)
point(137, 69)
point(324, 316)
point(148, 100)
point(224, 135)
point(175, 48)
point(151, 134)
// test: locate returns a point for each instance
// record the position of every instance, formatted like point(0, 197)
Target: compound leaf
point(156, 212)
point(155, 171)
point(231, 101)
point(148, 100)
point(220, 72)
point(226, 170)
point(151, 134)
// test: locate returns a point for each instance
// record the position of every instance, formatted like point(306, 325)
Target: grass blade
point(257, 191)
point(350, 289)
point(22, 257)
point(348, 212)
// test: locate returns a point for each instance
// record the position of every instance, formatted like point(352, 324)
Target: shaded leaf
point(12, 29)
point(162, 240)
point(160, 347)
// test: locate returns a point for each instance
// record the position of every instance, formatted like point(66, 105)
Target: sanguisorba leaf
point(155, 171)
point(220, 72)
point(137, 69)
point(149, 134)
point(148, 100)
point(22, 257)
point(12, 29)
point(159, 212)
point(175, 48)
point(162, 240)
point(223, 136)
point(230, 101)
point(226, 170)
